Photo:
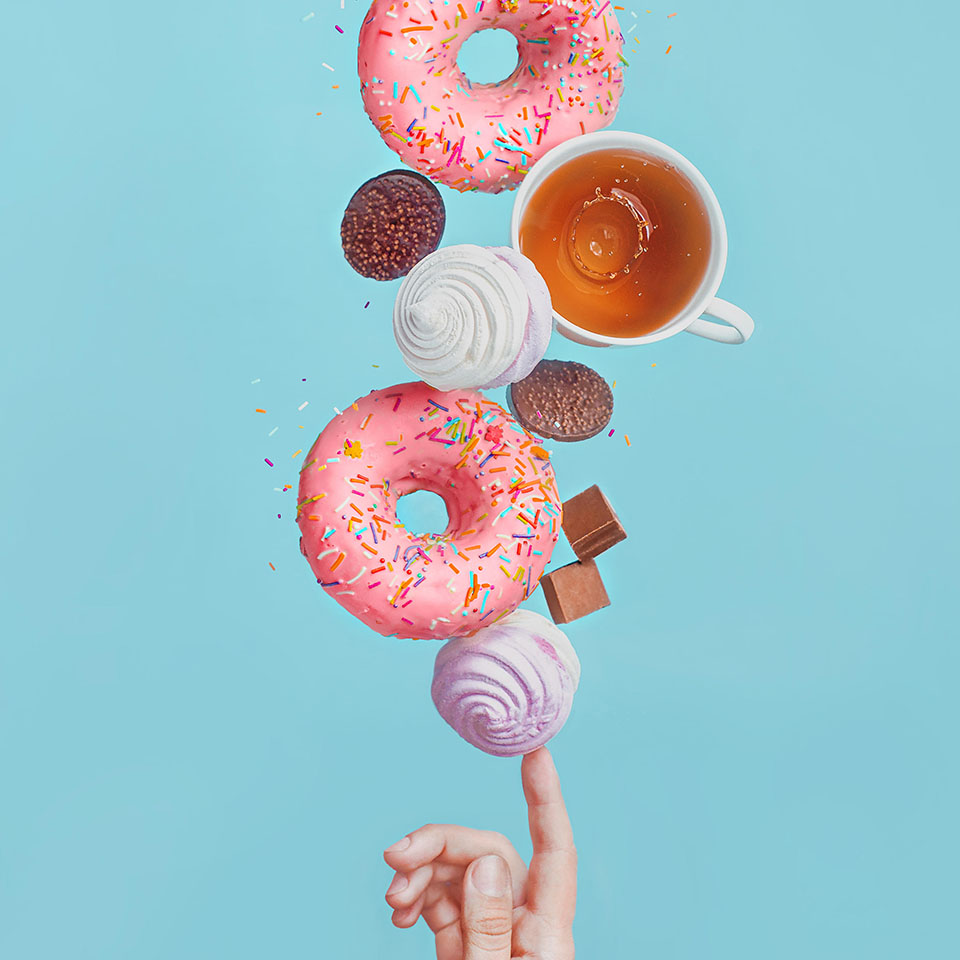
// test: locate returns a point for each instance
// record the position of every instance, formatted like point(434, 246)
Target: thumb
point(487, 912)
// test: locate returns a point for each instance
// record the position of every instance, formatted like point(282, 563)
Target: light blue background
point(201, 757)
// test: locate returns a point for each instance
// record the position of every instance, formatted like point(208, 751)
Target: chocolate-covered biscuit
point(391, 223)
point(562, 400)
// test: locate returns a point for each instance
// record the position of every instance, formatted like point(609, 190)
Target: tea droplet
point(607, 236)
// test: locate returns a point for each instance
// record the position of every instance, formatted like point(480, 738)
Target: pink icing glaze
point(486, 136)
point(500, 493)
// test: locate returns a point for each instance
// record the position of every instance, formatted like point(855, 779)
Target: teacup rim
point(603, 139)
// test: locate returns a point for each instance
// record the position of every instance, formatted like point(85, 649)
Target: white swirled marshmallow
point(469, 316)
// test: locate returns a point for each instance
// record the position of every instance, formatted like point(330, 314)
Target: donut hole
point(489, 56)
point(423, 512)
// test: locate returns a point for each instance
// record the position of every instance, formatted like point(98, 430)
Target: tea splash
point(622, 239)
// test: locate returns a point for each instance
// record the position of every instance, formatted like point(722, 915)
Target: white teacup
point(737, 325)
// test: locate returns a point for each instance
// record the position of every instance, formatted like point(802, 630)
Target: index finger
point(552, 876)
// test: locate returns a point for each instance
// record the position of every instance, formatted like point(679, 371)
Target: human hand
point(475, 892)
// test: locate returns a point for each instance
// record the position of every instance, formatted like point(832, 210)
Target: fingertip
point(392, 860)
point(397, 848)
point(490, 875)
point(404, 917)
point(398, 856)
point(539, 774)
point(537, 757)
point(399, 883)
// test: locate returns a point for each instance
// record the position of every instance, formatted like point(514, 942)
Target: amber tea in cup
point(622, 238)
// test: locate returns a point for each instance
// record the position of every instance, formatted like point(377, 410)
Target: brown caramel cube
point(574, 591)
point(590, 523)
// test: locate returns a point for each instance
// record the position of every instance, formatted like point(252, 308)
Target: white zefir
point(468, 316)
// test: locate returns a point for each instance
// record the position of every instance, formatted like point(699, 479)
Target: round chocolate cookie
point(392, 222)
point(562, 400)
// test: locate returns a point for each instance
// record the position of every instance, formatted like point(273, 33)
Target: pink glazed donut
point(567, 82)
point(501, 498)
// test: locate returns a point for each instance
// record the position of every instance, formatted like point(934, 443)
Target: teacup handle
point(736, 328)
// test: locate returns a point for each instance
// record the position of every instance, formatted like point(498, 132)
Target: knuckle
point(498, 840)
point(491, 930)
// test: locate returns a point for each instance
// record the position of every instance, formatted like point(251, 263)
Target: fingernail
point(399, 845)
point(490, 876)
point(400, 882)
